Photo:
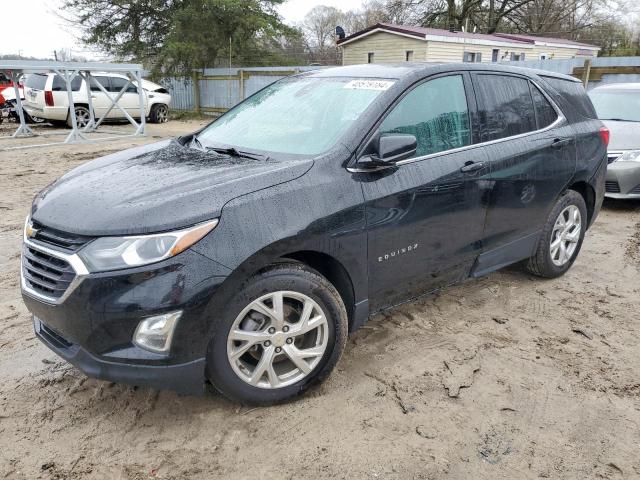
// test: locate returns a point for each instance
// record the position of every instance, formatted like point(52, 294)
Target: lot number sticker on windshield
point(369, 85)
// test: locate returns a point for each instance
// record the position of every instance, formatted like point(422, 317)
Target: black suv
point(244, 254)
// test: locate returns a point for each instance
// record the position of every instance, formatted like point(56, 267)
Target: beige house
point(388, 43)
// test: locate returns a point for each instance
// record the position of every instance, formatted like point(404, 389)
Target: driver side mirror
point(389, 149)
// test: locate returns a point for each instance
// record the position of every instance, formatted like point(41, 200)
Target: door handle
point(472, 167)
point(559, 143)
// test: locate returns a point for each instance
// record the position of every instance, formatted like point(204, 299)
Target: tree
point(319, 28)
point(177, 36)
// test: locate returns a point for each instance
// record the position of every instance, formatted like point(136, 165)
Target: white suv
point(46, 97)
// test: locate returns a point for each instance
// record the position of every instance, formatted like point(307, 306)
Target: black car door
point(531, 150)
point(425, 217)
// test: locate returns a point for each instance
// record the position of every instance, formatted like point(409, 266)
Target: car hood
point(624, 135)
point(154, 188)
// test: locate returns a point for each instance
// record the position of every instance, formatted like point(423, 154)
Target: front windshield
point(301, 115)
point(617, 105)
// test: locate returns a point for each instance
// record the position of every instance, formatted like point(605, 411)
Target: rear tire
point(283, 358)
point(562, 236)
point(82, 117)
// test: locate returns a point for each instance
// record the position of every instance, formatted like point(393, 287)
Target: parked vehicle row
point(618, 106)
point(44, 97)
point(243, 254)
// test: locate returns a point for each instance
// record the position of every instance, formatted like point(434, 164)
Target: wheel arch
point(588, 194)
point(333, 270)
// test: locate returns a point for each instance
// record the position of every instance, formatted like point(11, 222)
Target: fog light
point(155, 333)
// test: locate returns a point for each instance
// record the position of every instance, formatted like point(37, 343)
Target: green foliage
point(177, 36)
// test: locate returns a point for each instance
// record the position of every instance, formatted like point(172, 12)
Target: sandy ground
point(507, 376)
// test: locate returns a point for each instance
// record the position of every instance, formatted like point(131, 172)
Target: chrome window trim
point(74, 260)
point(561, 119)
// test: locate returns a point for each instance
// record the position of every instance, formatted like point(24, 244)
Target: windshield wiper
point(195, 143)
point(233, 152)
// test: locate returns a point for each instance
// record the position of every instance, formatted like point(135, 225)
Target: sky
point(46, 31)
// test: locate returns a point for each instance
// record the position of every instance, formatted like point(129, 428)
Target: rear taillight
point(48, 98)
point(604, 135)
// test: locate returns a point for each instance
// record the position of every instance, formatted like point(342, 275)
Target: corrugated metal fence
point(215, 90)
point(603, 69)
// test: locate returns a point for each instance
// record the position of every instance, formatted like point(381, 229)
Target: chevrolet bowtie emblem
point(31, 232)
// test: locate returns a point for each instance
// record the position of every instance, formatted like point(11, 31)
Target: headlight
point(630, 156)
point(113, 253)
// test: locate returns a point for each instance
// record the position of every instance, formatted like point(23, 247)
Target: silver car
point(618, 106)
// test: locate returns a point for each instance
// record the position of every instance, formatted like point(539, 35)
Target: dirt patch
point(545, 376)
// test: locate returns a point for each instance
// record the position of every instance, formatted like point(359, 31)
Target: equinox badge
point(397, 253)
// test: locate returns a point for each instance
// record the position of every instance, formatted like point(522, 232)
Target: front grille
point(56, 238)
point(45, 274)
point(611, 186)
point(636, 190)
point(54, 337)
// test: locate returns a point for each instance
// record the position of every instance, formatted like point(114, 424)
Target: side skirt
point(508, 254)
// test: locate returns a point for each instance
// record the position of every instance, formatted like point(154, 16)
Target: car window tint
point(545, 113)
point(575, 94)
point(60, 85)
point(435, 113)
point(104, 81)
point(35, 80)
point(506, 106)
point(117, 83)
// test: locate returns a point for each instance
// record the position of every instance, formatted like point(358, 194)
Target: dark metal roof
point(422, 32)
point(533, 38)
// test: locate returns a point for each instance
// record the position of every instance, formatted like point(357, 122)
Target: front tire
point(561, 238)
point(159, 113)
point(284, 331)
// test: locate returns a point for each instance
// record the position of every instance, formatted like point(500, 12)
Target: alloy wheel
point(565, 235)
point(162, 113)
point(277, 340)
point(82, 117)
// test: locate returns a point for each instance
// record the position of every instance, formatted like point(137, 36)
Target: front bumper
point(93, 323)
point(623, 180)
point(187, 378)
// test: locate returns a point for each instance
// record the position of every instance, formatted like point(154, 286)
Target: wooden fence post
point(241, 93)
point(196, 91)
point(586, 72)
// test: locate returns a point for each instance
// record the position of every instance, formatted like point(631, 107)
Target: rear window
point(575, 94)
point(506, 106)
point(35, 80)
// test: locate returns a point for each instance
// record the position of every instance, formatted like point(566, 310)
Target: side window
point(104, 81)
point(435, 113)
point(117, 83)
point(59, 84)
point(506, 106)
point(545, 113)
point(574, 93)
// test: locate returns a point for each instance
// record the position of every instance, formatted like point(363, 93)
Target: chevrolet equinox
point(243, 254)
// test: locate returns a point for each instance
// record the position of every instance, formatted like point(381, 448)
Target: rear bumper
point(623, 180)
point(187, 378)
point(48, 113)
